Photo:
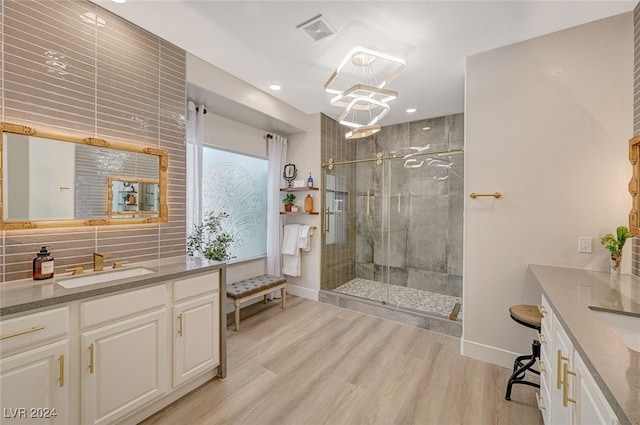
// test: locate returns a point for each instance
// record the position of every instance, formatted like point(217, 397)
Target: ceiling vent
point(317, 28)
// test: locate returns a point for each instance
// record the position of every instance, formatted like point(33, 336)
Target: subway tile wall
point(635, 242)
point(339, 258)
point(72, 67)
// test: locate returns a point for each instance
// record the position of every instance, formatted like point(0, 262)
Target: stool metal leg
point(520, 369)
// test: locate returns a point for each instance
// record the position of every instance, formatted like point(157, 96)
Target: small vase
point(615, 261)
point(308, 204)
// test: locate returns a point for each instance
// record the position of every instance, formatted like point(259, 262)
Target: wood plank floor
point(315, 363)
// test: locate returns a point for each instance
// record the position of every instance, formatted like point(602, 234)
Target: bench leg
point(283, 291)
point(265, 298)
point(237, 319)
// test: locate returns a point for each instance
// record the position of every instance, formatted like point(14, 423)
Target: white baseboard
point(486, 353)
point(299, 291)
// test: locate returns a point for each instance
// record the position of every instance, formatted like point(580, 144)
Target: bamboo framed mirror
point(57, 180)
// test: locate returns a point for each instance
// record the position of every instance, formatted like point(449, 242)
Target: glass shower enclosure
point(392, 228)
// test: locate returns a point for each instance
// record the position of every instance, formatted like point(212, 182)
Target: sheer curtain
point(195, 121)
point(277, 154)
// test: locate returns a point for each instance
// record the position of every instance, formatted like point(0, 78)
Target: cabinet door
point(34, 386)
point(562, 356)
point(123, 367)
point(196, 337)
point(591, 406)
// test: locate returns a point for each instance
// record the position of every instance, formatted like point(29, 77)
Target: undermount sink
point(101, 277)
point(626, 327)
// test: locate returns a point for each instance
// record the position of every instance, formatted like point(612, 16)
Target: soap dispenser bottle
point(310, 181)
point(43, 265)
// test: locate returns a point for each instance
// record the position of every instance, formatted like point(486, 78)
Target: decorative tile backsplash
point(74, 68)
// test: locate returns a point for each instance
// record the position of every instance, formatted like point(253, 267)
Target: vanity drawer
point(197, 285)
point(33, 328)
point(118, 306)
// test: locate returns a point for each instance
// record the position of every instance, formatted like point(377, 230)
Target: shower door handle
point(326, 219)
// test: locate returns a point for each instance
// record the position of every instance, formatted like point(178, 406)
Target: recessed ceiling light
point(275, 87)
point(411, 110)
point(119, 1)
point(426, 128)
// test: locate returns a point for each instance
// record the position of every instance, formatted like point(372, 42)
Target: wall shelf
point(298, 213)
point(298, 189)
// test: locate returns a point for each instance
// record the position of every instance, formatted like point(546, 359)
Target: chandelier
point(358, 86)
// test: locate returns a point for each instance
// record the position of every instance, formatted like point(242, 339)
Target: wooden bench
point(259, 286)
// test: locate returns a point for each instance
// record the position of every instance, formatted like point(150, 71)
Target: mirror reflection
point(49, 180)
point(133, 197)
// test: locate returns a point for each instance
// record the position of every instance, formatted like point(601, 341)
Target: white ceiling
point(258, 42)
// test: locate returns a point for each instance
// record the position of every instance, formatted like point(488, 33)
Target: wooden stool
point(529, 316)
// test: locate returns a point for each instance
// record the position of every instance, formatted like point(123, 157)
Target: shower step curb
point(442, 325)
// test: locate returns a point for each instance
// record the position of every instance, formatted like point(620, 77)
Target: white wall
point(304, 151)
point(547, 123)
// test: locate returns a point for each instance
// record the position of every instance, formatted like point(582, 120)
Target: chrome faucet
point(98, 261)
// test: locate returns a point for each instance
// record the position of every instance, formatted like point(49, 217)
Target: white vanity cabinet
point(114, 358)
point(196, 326)
point(34, 368)
point(568, 392)
point(124, 353)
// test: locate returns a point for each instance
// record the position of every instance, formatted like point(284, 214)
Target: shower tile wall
point(635, 242)
point(425, 229)
point(72, 67)
point(338, 259)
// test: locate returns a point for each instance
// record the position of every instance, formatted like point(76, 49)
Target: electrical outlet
point(584, 245)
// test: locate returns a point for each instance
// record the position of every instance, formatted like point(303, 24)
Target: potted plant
point(209, 240)
point(288, 201)
point(615, 244)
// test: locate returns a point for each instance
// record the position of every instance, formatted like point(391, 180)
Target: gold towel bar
point(474, 195)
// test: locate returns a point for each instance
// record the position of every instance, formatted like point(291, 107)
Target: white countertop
point(614, 366)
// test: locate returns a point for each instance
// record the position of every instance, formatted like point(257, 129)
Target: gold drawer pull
point(180, 324)
point(565, 389)
point(539, 402)
point(61, 360)
point(91, 358)
point(33, 329)
point(559, 367)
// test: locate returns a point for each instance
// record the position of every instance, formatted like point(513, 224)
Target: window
point(237, 184)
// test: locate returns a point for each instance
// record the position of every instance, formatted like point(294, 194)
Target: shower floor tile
point(402, 296)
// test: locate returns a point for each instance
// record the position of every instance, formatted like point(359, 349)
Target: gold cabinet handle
point(180, 324)
point(559, 367)
point(539, 402)
point(565, 387)
point(541, 339)
point(542, 310)
point(61, 360)
point(33, 329)
point(91, 349)
point(540, 365)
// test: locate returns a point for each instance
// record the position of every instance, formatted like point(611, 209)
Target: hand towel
point(304, 242)
point(290, 239)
